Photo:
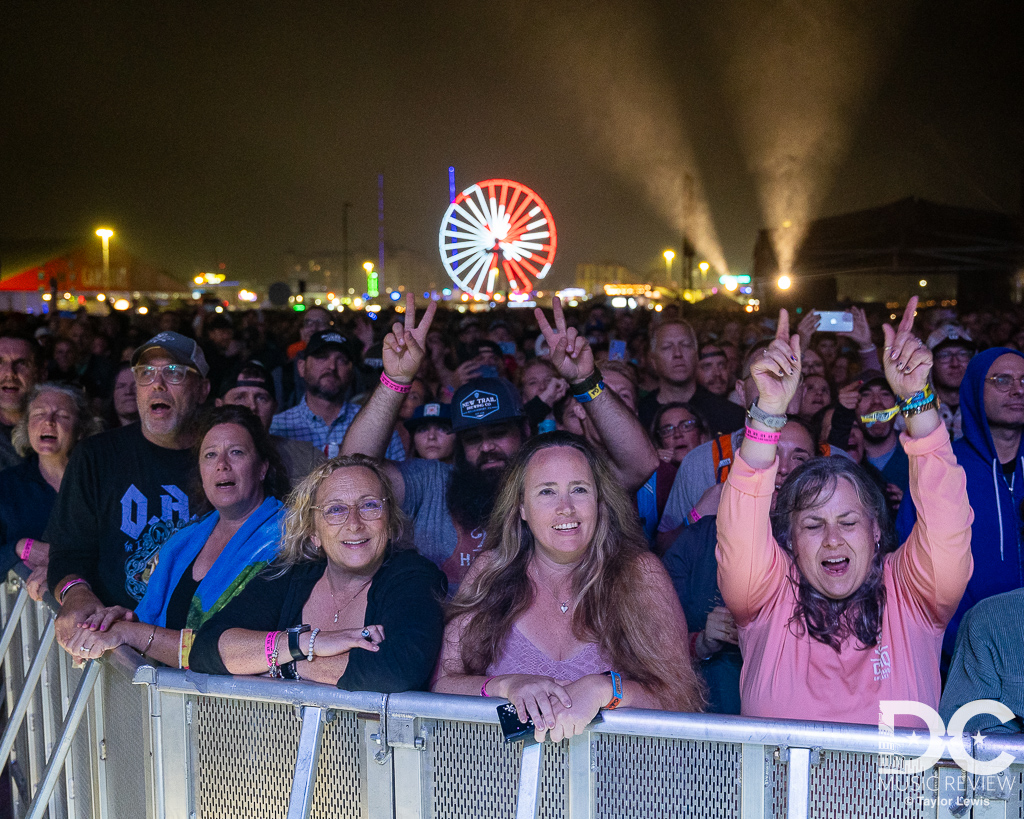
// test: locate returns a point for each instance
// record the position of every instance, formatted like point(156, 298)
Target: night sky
point(213, 132)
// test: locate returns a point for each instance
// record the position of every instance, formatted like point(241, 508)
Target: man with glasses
point(125, 491)
point(992, 408)
point(952, 350)
point(18, 374)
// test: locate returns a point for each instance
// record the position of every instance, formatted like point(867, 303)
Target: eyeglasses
point(145, 374)
point(1004, 383)
point(680, 428)
point(336, 514)
point(949, 355)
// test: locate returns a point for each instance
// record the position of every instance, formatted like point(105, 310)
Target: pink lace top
point(520, 656)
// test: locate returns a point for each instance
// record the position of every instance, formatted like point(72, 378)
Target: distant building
point(593, 276)
point(890, 253)
point(30, 269)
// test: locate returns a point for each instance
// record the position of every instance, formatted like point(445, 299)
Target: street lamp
point(669, 256)
point(105, 234)
point(784, 282)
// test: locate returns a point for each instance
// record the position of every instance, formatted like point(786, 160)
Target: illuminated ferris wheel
point(493, 229)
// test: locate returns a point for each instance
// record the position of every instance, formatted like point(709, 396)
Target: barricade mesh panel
point(475, 774)
point(338, 793)
point(847, 786)
point(126, 714)
point(244, 757)
point(776, 781)
point(648, 777)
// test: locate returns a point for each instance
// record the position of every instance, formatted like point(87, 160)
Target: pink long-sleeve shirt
point(787, 674)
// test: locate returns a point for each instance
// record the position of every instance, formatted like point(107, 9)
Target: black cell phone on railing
point(512, 728)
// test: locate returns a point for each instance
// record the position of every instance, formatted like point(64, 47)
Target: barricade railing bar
point(122, 738)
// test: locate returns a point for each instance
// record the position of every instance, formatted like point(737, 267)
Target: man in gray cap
point(125, 491)
point(449, 503)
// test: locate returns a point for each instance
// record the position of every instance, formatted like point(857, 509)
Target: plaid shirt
point(302, 424)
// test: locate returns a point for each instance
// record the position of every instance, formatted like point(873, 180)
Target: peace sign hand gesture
point(405, 346)
point(906, 360)
point(570, 352)
point(777, 371)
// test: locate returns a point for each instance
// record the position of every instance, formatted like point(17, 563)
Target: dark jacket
point(996, 532)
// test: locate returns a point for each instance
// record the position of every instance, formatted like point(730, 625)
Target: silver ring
point(365, 632)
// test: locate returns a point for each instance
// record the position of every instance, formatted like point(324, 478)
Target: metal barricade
point(120, 738)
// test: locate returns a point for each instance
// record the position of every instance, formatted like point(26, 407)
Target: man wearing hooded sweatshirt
point(992, 409)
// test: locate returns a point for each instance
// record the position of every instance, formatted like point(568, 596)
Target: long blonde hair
point(609, 585)
point(300, 520)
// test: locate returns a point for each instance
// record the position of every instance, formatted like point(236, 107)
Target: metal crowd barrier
point(121, 738)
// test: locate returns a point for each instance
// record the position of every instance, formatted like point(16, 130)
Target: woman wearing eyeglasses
point(676, 429)
point(344, 604)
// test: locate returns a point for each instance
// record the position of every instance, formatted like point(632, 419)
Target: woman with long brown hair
point(566, 610)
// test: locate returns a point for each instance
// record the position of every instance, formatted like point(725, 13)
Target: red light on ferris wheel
point(495, 232)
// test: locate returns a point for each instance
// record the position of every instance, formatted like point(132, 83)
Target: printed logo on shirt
point(146, 534)
point(467, 547)
point(881, 663)
point(479, 404)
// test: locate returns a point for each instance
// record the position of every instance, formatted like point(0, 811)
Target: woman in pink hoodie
point(831, 619)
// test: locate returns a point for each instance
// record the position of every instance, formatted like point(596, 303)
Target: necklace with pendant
point(562, 604)
point(337, 608)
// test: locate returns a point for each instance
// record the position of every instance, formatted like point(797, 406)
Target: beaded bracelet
point(310, 656)
point(401, 389)
point(760, 437)
point(28, 548)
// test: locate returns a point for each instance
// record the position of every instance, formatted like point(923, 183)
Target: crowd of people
point(573, 510)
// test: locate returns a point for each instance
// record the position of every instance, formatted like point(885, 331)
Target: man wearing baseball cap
point(450, 503)
point(322, 417)
point(125, 491)
point(952, 350)
point(251, 385)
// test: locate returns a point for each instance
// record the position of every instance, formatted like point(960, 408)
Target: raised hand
point(906, 360)
point(404, 347)
point(861, 332)
point(570, 352)
point(807, 327)
point(777, 371)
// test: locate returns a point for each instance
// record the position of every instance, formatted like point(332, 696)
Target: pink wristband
point(483, 688)
point(270, 643)
point(402, 389)
point(760, 437)
point(28, 548)
point(694, 515)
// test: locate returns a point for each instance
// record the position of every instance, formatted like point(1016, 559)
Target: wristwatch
point(293, 640)
point(775, 422)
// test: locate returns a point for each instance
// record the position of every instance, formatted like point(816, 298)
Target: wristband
point(185, 647)
point(312, 639)
point(693, 646)
point(775, 422)
point(269, 644)
point(28, 548)
point(587, 384)
point(483, 688)
point(760, 437)
point(694, 515)
point(402, 389)
point(62, 592)
point(616, 690)
point(591, 394)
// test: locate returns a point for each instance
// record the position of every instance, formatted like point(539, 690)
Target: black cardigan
point(404, 597)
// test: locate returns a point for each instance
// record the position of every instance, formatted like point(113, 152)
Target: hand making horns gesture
point(906, 360)
point(405, 346)
point(777, 370)
point(570, 351)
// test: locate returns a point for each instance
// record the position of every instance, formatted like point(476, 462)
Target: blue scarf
point(249, 551)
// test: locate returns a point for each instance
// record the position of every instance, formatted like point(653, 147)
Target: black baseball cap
point(483, 402)
point(250, 374)
point(331, 340)
point(429, 413)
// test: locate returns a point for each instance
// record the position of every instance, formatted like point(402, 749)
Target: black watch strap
point(293, 642)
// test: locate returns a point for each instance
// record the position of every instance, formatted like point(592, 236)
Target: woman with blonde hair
point(343, 604)
point(566, 610)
